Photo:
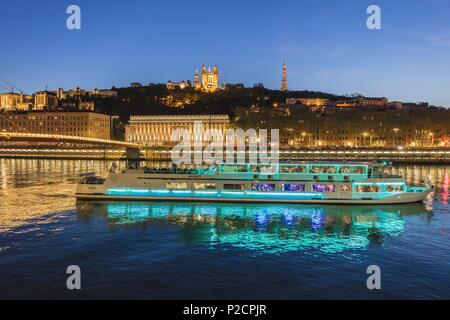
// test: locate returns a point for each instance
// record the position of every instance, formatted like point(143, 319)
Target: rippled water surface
point(210, 250)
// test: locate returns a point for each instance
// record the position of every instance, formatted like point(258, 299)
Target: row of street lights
point(395, 143)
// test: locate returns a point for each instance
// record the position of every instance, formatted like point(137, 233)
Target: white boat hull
point(395, 199)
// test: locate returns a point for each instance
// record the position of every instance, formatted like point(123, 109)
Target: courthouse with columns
point(156, 130)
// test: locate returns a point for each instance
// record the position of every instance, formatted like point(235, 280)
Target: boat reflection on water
point(272, 228)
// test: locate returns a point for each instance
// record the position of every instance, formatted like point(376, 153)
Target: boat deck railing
point(179, 171)
point(96, 180)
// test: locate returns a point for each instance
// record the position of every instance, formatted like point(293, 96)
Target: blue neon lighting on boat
point(191, 193)
point(127, 190)
point(206, 192)
point(232, 192)
point(139, 191)
point(290, 194)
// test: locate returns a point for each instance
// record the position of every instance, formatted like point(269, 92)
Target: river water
point(163, 250)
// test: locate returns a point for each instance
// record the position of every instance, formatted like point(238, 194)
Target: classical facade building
point(371, 101)
point(9, 101)
point(45, 100)
point(78, 92)
point(209, 81)
point(157, 130)
point(104, 93)
point(13, 101)
point(81, 124)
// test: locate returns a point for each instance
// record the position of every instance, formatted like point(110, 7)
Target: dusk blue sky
point(326, 45)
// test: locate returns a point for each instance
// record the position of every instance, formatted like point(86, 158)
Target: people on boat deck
point(174, 168)
point(293, 169)
point(344, 170)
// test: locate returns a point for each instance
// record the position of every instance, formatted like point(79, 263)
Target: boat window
point(344, 169)
point(321, 187)
point(346, 187)
point(234, 168)
point(268, 169)
point(263, 169)
point(201, 185)
point(368, 188)
point(316, 169)
point(263, 187)
point(359, 170)
point(176, 185)
point(394, 188)
point(292, 187)
point(229, 186)
point(329, 169)
point(323, 169)
point(292, 169)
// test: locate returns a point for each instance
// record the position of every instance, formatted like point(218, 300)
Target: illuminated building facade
point(13, 101)
point(310, 102)
point(209, 81)
point(81, 124)
point(45, 100)
point(371, 102)
point(86, 105)
point(177, 85)
point(157, 130)
point(345, 104)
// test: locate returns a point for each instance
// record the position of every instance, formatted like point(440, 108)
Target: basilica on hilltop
point(209, 81)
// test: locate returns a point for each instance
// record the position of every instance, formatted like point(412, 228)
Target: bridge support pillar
point(133, 157)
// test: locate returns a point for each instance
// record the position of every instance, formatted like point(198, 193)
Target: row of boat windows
point(294, 169)
point(376, 188)
point(285, 187)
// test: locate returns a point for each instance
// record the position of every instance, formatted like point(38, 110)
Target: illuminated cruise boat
point(328, 183)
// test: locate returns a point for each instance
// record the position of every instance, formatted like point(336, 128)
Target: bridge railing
point(59, 137)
